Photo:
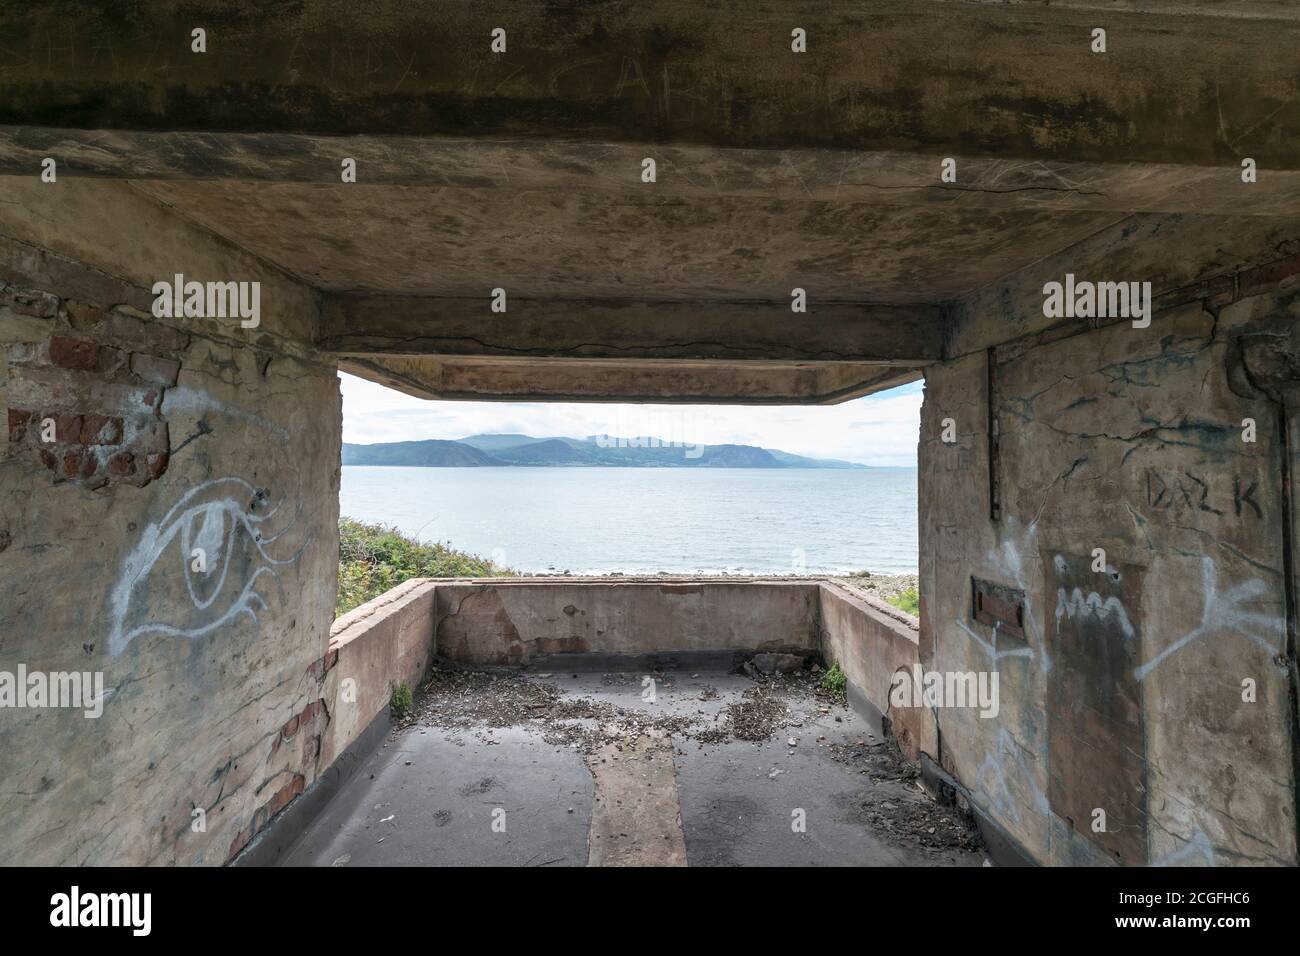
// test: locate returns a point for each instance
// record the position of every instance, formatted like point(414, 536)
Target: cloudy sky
point(878, 430)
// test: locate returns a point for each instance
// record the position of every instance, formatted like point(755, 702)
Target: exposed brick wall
point(85, 390)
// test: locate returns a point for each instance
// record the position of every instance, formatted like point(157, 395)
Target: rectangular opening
point(998, 606)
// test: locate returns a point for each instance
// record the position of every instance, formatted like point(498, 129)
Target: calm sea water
point(643, 520)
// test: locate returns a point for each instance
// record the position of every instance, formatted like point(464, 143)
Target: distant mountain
point(596, 450)
point(799, 461)
point(429, 454)
point(491, 443)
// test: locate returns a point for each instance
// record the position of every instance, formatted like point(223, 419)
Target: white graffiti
point(211, 518)
point(1223, 612)
point(994, 653)
point(183, 398)
point(993, 784)
point(1093, 605)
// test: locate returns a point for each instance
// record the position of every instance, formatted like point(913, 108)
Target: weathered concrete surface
point(565, 328)
point(512, 622)
point(659, 381)
point(1129, 692)
point(636, 816)
point(873, 643)
point(428, 799)
point(169, 436)
point(431, 796)
point(776, 170)
point(374, 648)
point(611, 170)
point(1181, 83)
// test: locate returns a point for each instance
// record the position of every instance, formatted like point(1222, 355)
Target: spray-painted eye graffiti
point(199, 568)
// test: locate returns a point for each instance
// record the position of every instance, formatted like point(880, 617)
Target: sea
point(649, 520)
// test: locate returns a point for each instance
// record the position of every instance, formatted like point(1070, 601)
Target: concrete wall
point(373, 648)
point(1126, 691)
point(169, 435)
point(873, 643)
point(513, 622)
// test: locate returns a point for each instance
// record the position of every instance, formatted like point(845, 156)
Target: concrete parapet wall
point(873, 642)
point(382, 643)
point(512, 622)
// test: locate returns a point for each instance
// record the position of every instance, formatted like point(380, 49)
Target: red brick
point(122, 464)
point(71, 464)
point(291, 728)
point(239, 842)
point(89, 465)
point(67, 427)
point(310, 752)
point(18, 419)
point(101, 430)
point(74, 353)
point(151, 368)
point(48, 459)
point(112, 360)
point(155, 464)
point(320, 668)
point(285, 794)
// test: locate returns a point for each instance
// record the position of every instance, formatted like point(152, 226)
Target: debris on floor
point(780, 705)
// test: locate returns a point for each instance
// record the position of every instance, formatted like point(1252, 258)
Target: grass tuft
point(835, 682)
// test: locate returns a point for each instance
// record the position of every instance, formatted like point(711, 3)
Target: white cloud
point(878, 430)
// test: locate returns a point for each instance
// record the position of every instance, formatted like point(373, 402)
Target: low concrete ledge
point(514, 622)
point(871, 642)
point(384, 642)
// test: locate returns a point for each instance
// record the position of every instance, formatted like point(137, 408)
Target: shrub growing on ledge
point(834, 682)
point(374, 559)
point(909, 601)
point(400, 701)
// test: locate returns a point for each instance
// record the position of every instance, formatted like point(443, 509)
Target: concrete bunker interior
point(1160, 688)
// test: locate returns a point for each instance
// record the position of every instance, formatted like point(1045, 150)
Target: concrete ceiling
point(432, 241)
point(776, 170)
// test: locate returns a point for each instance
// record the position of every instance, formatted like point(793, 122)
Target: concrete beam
point(1179, 83)
point(613, 169)
point(1210, 259)
point(662, 382)
point(371, 325)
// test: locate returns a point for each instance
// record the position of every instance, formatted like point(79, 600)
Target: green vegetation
point(374, 559)
point(400, 701)
point(909, 601)
point(834, 682)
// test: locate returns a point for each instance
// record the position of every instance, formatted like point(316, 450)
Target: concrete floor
point(458, 796)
